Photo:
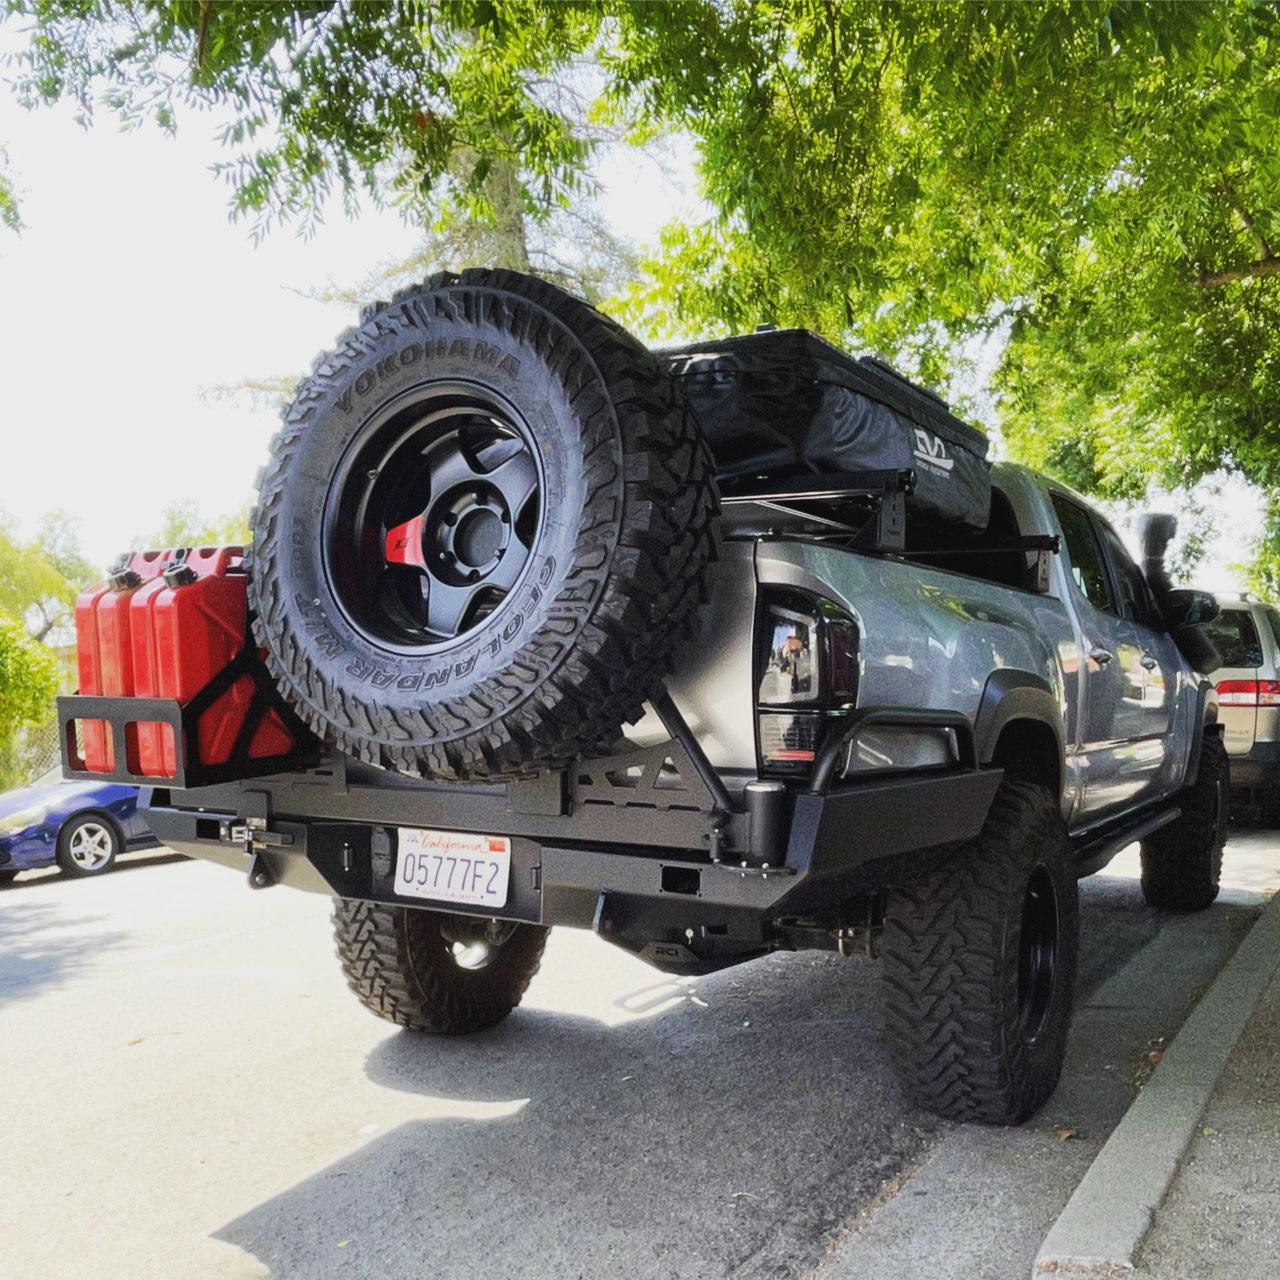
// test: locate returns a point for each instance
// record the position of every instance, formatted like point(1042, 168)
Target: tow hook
point(260, 874)
point(252, 835)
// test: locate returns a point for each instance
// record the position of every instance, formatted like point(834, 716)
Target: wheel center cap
point(461, 541)
point(478, 537)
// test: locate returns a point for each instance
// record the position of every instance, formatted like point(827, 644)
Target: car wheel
point(1182, 862)
point(980, 962)
point(87, 845)
point(434, 971)
point(483, 532)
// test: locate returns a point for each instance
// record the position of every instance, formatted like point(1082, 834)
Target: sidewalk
point(1188, 1185)
point(1221, 1217)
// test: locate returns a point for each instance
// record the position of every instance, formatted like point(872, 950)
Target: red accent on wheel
point(404, 543)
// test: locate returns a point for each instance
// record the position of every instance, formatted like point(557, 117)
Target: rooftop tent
point(785, 402)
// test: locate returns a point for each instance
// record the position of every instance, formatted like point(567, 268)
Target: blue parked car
point(79, 825)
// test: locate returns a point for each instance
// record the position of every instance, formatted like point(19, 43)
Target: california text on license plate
point(453, 866)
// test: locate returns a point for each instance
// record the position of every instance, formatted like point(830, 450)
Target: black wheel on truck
point(483, 530)
point(980, 963)
point(433, 971)
point(1182, 863)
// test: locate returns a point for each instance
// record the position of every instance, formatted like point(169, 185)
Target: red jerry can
point(146, 669)
point(104, 653)
point(197, 624)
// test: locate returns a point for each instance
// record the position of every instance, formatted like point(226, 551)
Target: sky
point(129, 296)
point(126, 298)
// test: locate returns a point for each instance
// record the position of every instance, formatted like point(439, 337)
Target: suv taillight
point(1249, 693)
point(807, 668)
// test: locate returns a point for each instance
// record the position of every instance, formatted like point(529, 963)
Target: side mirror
point(1187, 608)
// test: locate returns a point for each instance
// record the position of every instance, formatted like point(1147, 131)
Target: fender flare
point(1012, 695)
point(1205, 721)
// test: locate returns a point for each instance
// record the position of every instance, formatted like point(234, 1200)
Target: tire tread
point(947, 976)
point(641, 445)
point(394, 961)
point(1182, 863)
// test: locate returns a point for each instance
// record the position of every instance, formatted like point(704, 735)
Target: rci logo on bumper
point(932, 451)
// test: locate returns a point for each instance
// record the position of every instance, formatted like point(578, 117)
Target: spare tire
point(482, 532)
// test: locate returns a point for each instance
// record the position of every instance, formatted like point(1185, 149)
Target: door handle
point(1100, 655)
point(1149, 662)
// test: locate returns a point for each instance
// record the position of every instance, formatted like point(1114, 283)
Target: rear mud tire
point(1182, 863)
point(571, 588)
point(402, 963)
point(980, 963)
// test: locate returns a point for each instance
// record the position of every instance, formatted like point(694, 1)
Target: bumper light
point(788, 741)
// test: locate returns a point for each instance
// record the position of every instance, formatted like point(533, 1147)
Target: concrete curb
point(1100, 1230)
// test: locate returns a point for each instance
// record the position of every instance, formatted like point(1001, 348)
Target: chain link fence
point(38, 751)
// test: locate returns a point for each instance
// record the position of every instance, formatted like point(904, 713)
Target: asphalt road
point(192, 1092)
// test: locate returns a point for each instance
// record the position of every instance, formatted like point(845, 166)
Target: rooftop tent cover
point(786, 402)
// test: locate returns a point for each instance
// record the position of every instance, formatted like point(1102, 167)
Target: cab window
point(1083, 552)
point(1136, 601)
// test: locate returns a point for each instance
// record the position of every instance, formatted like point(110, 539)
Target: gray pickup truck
point(566, 662)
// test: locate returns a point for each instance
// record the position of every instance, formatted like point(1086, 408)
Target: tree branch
point(1245, 216)
point(206, 12)
point(1269, 265)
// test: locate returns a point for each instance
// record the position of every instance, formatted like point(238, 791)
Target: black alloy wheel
point(1037, 953)
point(430, 520)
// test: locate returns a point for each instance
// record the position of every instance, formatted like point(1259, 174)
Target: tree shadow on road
point(41, 946)
point(734, 1127)
point(731, 1139)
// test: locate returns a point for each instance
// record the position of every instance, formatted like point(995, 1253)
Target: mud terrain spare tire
point(482, 530)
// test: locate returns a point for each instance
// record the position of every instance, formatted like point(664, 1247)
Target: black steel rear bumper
point(604, 838)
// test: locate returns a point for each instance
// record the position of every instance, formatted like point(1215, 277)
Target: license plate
point(453, 866)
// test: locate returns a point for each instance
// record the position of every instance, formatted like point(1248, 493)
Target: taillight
point(1249, 693)
point(807, 668)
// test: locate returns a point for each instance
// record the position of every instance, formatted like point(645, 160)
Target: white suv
point(1247, 634)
